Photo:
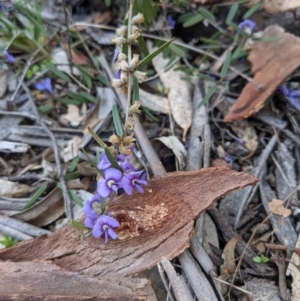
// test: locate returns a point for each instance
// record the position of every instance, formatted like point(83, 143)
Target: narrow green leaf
point(178, 50)
point(75, 198)
point(253, 9)
point(184, 17)
point(193, 20)
point(59, 73)
point(111, 159)
point(77, 225)
point(44, 109)
point(226, 64)
point(264, 259)
point(135, 90)
point(232, 13)
point(73, 164)
point(117, 121)
point(149, 58)
point(208, 95)
point(240, 31)
point(88, 97)
point(269, 39)
point(149, 114)
point(238, 52)
point(72, 175)
point(69, 101)
point(35, 196)
point(143, 45)
point(96, 137)
point(77, 97)
point(103, 79)
point(207, 14)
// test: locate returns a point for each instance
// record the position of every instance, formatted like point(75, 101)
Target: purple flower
point(294, 99)
point(284, 90)
point(105, 225)
point(118, 74)
point(247, 24)
point(131, 180)
point(88, 208)
point(124, 162)
point(171, 22)
point(90, 220)
point(44, 85)
point(110, 182)
point(9, 58)
point(103, 163)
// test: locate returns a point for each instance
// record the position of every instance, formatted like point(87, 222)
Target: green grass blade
point(232, 12)
point(208, 95)
point(77, 225)
point(89, 97)
point(111, 159)
point(117, 121)
point(206, 14)
point(35, 196)
point(59, 73)
point(143, 45)
point(226, 64)
point(253, 9)
point(97, 139)
point(135, 90)
point(193, 20)
point(149, 58)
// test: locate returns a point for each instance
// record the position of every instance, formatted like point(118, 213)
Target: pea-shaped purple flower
point(104, 225)
point(110, 182)
point(132, 180)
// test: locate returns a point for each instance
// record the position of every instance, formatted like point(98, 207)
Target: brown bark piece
point(154, 224)
point(34, 281)
point(271, 63)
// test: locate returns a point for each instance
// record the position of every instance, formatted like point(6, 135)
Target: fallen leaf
point(36, 279)
point(154, 102)
point(174, 144)
point(74, 115)
point(180, 92)
point(13, 189)
point(276, 206)
point(276, 6)
point(229, 266)
point(271, 63)
point(157, 223)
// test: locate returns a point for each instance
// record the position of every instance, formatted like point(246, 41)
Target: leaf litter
point(237, 144)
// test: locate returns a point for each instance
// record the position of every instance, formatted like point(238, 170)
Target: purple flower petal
point(9, 58)
point(103, 189)
point(113, 174)
point(109, 221)
point(116, 53)
point(284, 90)
point(104, 162)
point(112, 234)
point(118, 74)
point(247, 24)
point(90, 221)
point(97, 232)
point(139, 188)
point(88, 205)
point(44, 85)
point(171, 22)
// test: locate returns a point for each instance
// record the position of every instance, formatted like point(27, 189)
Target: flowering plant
point(116, 171)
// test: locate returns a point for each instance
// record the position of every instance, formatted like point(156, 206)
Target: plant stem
point(129, 55)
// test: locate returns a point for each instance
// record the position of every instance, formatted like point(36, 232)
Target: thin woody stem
point(129, 55)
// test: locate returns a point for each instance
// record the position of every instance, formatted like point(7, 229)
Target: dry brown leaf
point(74, 117)
point(276, 6)
point(13, 189)
point(271, 63)
point(180, 93)
point(154, 224)
point(276, 206)
point(45, 281)
point(229, 252)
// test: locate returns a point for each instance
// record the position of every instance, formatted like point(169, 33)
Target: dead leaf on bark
point(271, 63)
point(154, 224)
point(34, 281)
point(229, 261)
point(276, 206)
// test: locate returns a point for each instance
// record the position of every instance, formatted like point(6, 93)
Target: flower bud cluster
point(97, 217)
point(123, 65)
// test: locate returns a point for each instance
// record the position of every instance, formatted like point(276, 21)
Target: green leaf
point(111, 159)
point(72, 175)
point(117, 121)
point(149, 58)
point(184, 17)
point(178, 50)
point(70, 101)
point(232, 12)
point(75, 198)
point(253, 9)
point(149, 114)
point(206, 14)
point(8, 241)
point(226, 64)
point(97, 138)
point(72, 166)
point(238, 52)
point(88, 97)
point(77, 225)
point(240, 31)
point(35, 196)
point(256, 259)
point(145, 7)
point(77, 97)
point(264, 259)
point(135, 90)
point(193, 20)
point(59, 73)
point(103, 79)
point(44, 109)
point(143, 45)
point(208, 95)
point(269, 39)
